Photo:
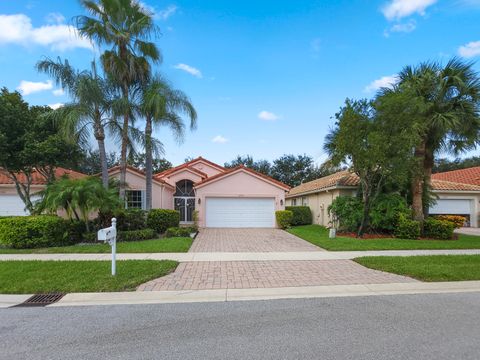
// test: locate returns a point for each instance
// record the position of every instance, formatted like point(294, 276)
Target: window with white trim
point(304, 201)
point(135, 199)
point(294, 202)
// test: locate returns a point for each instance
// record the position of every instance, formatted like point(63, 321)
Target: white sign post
point(110, 235)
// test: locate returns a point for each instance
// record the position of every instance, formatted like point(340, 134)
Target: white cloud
point(30, 87)
point(267, 116)
point(189, 69)
point(219, 139)
point(18, 29)
point(383, 82)
point(469, 50)
point(167, 12)
point(402, 27)
point(58, 92)
point(56, 106)
point(398, 9)
point(55, 18)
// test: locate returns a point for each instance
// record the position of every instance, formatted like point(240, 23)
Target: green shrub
point(347, 211)
point(162, 219)
point(386, 211)
point(407, 228)
point(180, 231)
point(457, 220)
point(438, 229)
point(24, 232)
point(76, 230)
point(129, 235)
point(302, 215)
point(127, 219)
point(284, 218)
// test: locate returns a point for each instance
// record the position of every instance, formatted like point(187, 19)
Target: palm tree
point(125, 26)
point(92, 98)
point(162, 105)
point(78, 198)
point(449, 118)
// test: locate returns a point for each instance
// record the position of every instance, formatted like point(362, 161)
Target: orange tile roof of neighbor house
point(38, 179)
point(348, 179)
point(464, 176)
point(439, 185)
point(340, 179)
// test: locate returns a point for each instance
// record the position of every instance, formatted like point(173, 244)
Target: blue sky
point(266, 77)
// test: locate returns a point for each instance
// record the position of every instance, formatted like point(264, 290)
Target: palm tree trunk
point(123, 152)
point(366, 208)
point(123, 158)
point(100, 137)
point(148, 163)
point(418, 182)
point(427, 168)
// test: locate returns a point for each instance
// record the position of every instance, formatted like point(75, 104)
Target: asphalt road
point(441, 326)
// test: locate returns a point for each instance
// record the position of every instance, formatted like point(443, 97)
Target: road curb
point(222, 295)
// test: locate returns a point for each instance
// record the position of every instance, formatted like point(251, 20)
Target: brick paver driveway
point(268, 274)
point(249, 240)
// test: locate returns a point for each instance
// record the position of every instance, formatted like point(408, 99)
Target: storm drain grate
point(42, 299)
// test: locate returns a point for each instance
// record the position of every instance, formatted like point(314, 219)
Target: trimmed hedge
point(457, 220)
point(407, 229)
point(129, 235)
point(302, 215)
point(25, 232)
point(180, 231)
point(347, 211)
point(284, 218)
point(438, 229)
point(127, 219)
point(162, 219)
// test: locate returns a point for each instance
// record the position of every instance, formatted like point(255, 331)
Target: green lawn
point(318, 235)
point(29, 277)
point(175, 244)
point(427, 268)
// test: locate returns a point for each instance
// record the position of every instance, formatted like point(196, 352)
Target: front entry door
point(186, 206)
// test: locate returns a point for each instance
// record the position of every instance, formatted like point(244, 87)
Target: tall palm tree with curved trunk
point(124, 26)
point(449, 119)
point(162, 105)
point(92, 98)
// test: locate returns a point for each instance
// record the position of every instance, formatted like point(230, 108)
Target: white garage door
point(452, 207)
point(11, 205)
point(240, 212)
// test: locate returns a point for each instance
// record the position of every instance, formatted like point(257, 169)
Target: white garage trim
point(456, 206)
point(240, 212)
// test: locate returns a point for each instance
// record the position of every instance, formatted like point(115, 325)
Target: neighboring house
point(10, 202)
point(457, 194)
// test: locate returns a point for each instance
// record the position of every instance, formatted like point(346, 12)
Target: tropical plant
point(162, 105)
point(125, 27)
point(79, 198)
point(92, 98)
point(447, 118)
point(375, 144)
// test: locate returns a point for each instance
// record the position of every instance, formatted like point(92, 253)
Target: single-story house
point(11, 204)
point(237, 197)
point(456, 194)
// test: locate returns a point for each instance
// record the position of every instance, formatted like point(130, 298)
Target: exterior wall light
point(199, 201)
point(281, 202)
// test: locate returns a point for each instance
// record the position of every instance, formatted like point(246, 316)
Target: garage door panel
point(12, 205)
point(452, 206)
point(240, 212)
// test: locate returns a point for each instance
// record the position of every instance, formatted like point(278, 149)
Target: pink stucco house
point(238, 197)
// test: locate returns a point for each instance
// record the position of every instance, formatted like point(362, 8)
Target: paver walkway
point(249, 240)
point(268, 274)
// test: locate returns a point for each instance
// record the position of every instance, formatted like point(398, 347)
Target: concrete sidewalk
point(159, 297)
point(236, 256)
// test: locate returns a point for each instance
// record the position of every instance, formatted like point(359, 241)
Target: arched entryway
point(184, 200)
